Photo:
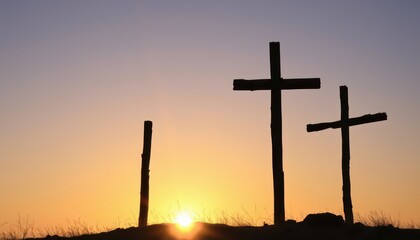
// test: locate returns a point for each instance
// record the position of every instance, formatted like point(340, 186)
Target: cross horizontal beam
point(368, 118)
point(268, 84)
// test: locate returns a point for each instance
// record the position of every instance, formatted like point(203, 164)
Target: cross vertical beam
point(276, 135)
point(345, 166)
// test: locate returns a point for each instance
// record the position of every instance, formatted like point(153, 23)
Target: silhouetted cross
point(276, 84)
point(344, 124)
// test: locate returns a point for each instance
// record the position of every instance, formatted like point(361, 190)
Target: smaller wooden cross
point(344, 124)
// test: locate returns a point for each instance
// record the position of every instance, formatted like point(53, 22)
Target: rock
point(323, 220)
point(290, 221)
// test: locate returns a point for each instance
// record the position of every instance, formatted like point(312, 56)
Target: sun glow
point(183, 220)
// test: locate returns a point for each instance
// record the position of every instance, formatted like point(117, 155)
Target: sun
point(183, 220)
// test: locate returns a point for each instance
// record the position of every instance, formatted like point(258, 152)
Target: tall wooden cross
point(275, 84)
point(344, 124)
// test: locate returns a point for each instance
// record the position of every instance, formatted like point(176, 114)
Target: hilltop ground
point(320, 226)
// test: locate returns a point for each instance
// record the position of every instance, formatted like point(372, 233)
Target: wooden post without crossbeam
point(344, 124)
point(145, 162)
point(275, 84)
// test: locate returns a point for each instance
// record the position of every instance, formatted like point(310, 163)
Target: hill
point(317, 226)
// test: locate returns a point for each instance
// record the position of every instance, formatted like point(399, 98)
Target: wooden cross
point(344, 124)
point(275, 84)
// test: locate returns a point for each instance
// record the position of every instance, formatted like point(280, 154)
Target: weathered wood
point(276, 135)
point(145, 163)
point(284, 84)
point(368, 118)
point(276, 84)
point(345, 166)
point(344, 124)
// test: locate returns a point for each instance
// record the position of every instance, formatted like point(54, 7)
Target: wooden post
point(145, 162)
point(344, 123)
point(345, 161)
point(276, 135)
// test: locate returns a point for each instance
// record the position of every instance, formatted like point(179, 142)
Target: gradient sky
point(78, 78)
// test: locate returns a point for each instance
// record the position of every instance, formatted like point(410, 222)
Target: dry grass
point(24, 228)
point(242, 218)
point(70, 229)
point(381, 219)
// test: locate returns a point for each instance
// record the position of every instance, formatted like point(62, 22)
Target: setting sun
point(183, 220)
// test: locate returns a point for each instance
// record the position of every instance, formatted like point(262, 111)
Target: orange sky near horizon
point(79, 78)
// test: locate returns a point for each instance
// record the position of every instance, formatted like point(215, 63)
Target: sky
point(79, 78)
